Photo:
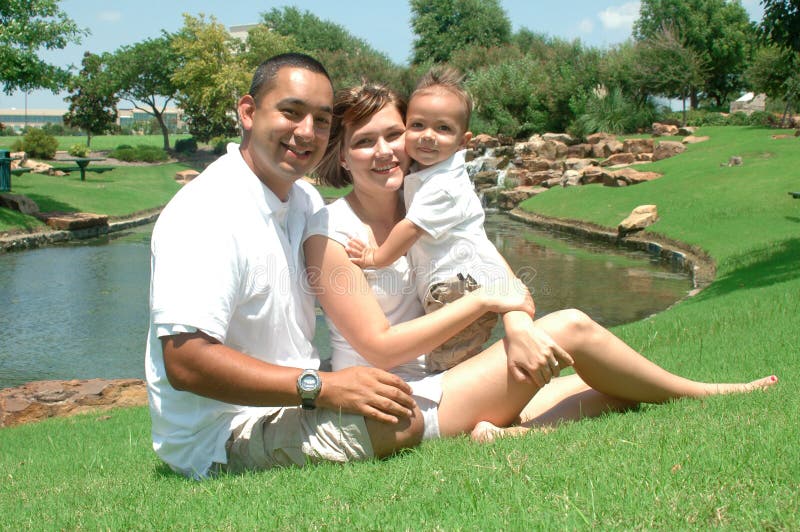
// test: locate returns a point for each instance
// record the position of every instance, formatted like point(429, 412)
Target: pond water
point(79, 310)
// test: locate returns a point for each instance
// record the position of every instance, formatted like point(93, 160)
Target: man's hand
point(370, 392)
point(532, 354)
point(360, 254)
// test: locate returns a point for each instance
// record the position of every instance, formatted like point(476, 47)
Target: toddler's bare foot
point(485, 432)
point(743, 387)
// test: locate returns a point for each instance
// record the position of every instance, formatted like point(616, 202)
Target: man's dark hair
point(264, 77)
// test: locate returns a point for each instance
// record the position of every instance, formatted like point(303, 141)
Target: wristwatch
point(308, 386)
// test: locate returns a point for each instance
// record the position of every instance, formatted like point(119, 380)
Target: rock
point(482, 142)
point(606, 148)
point(536, 164)
point(40, 400)
point(579, 151)
point(550, 183)
point(778, 137)
point(664, 130)
point(36, 166)
point(505, 140)
point(686, 131)
point(594, 174)
point(735, 161)
point(641, 217)
point(577, 164)
point(644, 157)
point(511, 198)
point(618, 158)
point(594, 138)
point(537, 178)
point(488, 177)
point(637, 146)
point(571, 178)
point(691, 139)
point(666, 149)
point(634, 177)
point(18, 202)
point(569, 140)
point(71, 221)
point(184, 176)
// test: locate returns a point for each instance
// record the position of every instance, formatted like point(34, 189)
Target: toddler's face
point(435, 127)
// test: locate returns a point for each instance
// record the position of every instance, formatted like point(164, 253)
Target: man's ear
point(246, 108)
point(465, 139)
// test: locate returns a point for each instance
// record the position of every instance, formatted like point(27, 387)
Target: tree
point(781, 23)
point(26, 26)
point(210, 76)
point(718, 30)
point(444, 26)
point(776, 72)
point(92, 102)
point(143, 76)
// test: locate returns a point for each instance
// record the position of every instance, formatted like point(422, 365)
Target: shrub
point(763, 119)
point(18, 145)
point(611, 113)
point(219, 145)
point(141, 153)
point(78, 150)
point(39, 145)
point(186, 145)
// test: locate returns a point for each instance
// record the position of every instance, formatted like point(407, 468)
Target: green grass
point(730, 462)
point(104, 142)
point(121, 191)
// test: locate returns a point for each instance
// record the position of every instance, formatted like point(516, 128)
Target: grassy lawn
point(103, 142)
point(731, 462)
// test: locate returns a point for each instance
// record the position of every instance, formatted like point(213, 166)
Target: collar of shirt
point(454, 164)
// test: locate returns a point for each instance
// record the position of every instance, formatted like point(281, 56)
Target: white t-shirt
point(441, 201)
point(393, 287)
point(226, 258)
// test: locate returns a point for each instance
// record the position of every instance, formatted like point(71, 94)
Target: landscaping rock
point(686, 131)
point(511, 198)
point(641, 217)
point(634, 177)
point(482, 142)
point(569, 140)
point(691, 139)
point(488, 177)
point(664, 130)
point(71, 221)
point(637, 146)
point(579, 151)
point(666, 149)
point(595, 138)
point(40, 400)
point(571, 178)
point(618, 158)
point(36, 166)
point(18, 202)
point(735, 161)
point(594, 174)
point(184, 176)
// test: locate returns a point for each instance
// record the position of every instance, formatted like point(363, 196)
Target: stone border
point(689, 258)
point(23, 241)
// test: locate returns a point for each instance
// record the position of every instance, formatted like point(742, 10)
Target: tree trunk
point(164, 130)
point(694, 99)
point(88, 138)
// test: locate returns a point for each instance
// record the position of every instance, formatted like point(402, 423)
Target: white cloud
point(585, 26)
point(619, 17)
point(109, 16)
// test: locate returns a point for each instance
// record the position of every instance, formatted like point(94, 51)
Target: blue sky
point(383, 24)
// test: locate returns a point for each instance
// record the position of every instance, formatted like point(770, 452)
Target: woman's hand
point(360, 254)
point(507, 295)
point(369, 392)
point(532, 354)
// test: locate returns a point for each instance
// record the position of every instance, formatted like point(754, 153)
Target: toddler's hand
point(360, 254)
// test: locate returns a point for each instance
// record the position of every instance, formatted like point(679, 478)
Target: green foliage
point(27, 27)
point(143, 74)
point(78, 150)
point(38, 144)
point(717, 30)
point(443, 26)
point(210, 77)
point(92, 102)
point(665, 66)
point(611, 112)
point(187, 146)
point(219, 145)
point(141, 153)
point(781, 23)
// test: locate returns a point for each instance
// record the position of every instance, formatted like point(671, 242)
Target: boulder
point(644, 157)
point(686, 131)
point(518, 176)
point(594, 174)
point(550, 183)
point(511, 198)
point(691, 139)
point(184, 176)
point(71, 221)
point(735, 161)
point(571, 178)
point(18, 202)
point(664, 130)
point(618, 158)
point(668, 148)
point(634, 177)
point(537, 178)
point(482, 142)
point(637, 146)
point(571, 163)
point(569, 140)
point(505, 140)
point(594, 138)
point(40, 400)
point(488, 177)
point(579, 151)
point(36, 167)
point(641, 217)
point(536, 164)
point(606, 148)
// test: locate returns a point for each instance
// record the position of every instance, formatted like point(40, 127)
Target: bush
point(141, 153)
point(18, 145)
point(79, 150)
point(39, 145)
point(186, 145)
point(219, 145)
point(611, 113)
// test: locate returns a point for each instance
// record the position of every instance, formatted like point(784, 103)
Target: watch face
point(308, 382)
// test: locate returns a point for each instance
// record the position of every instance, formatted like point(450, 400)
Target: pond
point(79, 310)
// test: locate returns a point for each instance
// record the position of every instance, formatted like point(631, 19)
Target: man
point(230, 322)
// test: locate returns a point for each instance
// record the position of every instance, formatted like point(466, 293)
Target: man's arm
point(197, 363)
point(397, 244)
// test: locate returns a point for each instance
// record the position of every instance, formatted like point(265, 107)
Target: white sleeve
point(434, 211)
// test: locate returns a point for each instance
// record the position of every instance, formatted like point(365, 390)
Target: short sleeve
point(336, 222)
point(435, 212)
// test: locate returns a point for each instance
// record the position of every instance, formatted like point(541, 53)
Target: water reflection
point(80, 310)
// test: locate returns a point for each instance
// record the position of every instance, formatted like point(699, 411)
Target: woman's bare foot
point(743, 387)
point(485, 432)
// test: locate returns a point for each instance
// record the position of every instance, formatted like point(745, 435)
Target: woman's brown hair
point(351, 108)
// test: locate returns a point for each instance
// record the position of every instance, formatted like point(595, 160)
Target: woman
point(377, 312)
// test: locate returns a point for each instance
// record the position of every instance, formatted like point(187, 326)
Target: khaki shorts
point(291, 436)
point(468, 342)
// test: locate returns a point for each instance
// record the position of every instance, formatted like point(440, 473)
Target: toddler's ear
point(465, 139)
